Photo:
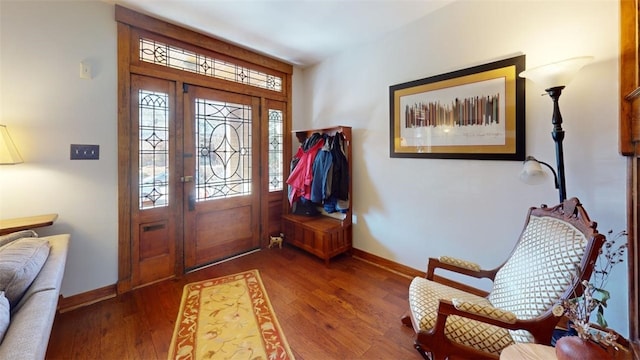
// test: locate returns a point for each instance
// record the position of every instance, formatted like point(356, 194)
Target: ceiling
point(300, 32)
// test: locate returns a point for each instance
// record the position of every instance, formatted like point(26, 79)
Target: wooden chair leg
point(425, 355)
point(406, 320)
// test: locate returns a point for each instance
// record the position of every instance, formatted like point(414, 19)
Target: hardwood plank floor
point(348, 310)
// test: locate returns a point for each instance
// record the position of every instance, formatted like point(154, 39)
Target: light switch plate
point(85, 70)
point(85, 152)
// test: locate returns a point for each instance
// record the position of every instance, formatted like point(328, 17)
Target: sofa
point(31, 271)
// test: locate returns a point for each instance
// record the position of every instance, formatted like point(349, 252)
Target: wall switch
point(85, 152)
point(85, 70)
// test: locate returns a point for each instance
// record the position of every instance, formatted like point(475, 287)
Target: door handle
point(186, 179)
point(192, 202)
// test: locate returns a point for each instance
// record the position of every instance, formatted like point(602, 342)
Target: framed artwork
point(474, 113)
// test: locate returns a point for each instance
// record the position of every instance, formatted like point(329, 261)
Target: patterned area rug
point(228, 318)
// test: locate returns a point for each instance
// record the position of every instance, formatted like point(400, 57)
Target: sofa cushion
point(5, 316)
point(5, 239)
point(20, 263)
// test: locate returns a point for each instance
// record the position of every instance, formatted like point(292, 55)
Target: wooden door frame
point(130, 24)
point(629, 146)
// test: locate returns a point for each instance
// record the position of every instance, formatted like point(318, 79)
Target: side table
point(524, 351)
point(25, 223)
point(528, 352)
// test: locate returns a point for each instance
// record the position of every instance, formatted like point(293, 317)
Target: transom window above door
point(157, 52)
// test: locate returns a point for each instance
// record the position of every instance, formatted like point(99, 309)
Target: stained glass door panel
point(222, 167)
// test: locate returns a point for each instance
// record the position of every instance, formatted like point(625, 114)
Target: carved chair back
point(548, 263)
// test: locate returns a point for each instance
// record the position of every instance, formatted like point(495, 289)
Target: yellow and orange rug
point(229, 317)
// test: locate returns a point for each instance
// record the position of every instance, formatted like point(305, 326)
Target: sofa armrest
point(30, 328)
point(32, 318)
point(50, 276)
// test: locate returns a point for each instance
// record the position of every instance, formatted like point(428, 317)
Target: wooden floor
point(348, 310)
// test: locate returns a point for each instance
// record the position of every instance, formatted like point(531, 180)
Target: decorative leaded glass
point(153, 151)
point(223, 144)
point(171, 56)
point(276, 176)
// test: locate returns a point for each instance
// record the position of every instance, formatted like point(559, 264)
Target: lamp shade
point(8, 152)
point(556, 74)
point(532, 172)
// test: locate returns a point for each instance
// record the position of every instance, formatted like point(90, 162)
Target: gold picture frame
point(474, 113)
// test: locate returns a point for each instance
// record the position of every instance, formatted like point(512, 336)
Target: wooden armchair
point(455, 321)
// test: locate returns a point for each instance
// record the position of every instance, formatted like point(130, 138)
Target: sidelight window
point(153, 151)
point(276, 176)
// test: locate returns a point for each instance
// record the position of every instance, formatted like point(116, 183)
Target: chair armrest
point(459, 266)
point(464, 264)
point(540, 327)
point(484, 310)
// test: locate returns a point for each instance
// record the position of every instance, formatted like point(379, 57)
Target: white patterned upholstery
point(424, 296)
point(539, 270)
point(530, 282)
point(460, 263)
point(484, 309)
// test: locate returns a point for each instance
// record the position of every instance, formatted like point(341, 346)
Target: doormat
point(229, 317)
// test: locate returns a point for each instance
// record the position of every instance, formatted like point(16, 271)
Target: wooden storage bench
point(320, 235)
point(325, 235)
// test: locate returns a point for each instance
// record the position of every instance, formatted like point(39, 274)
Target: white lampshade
point(8, 152)
point(532, 172)
point(556, 74)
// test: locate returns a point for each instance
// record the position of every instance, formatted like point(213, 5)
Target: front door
point(221, 181)
point(200, 172)
point(195, 186)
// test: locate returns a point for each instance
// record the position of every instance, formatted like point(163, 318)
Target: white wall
point(411, 209)
point(46, 107)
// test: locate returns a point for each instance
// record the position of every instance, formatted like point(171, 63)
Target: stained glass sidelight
point(174, 57)
point(153, 149)
point(223, 144)
point(276, 175)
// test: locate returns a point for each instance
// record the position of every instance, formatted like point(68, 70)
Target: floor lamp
point(552, 78)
